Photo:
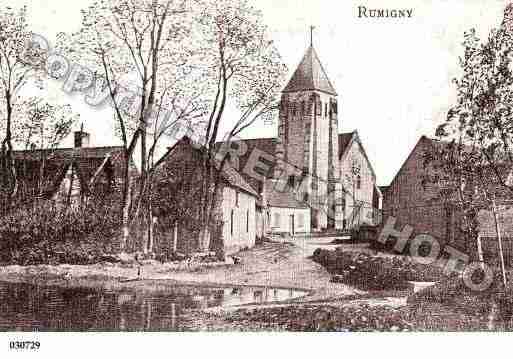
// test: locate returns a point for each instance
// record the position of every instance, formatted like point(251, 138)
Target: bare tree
point(14, 74)
point(244, 69)
point(43, 126)
point(139, 50)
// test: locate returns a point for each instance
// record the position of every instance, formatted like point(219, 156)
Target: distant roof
point(310, 75)
point(285, 199)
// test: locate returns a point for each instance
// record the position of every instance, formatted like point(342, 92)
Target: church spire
point(310, 74)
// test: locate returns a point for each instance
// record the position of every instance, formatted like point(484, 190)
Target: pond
point(151, 307)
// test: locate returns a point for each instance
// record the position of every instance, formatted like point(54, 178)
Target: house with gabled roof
point(68, 175)
point(235, 202)
point(429, 208)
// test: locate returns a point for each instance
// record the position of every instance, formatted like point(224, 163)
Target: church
point(316, 179)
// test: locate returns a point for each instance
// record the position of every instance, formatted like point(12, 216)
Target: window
point(276, 220)
point(326, 109)
point(247, 221)
point(300, 220)
point(231, 222)
point(237, 198)
point(319, 108)
point(358, 182)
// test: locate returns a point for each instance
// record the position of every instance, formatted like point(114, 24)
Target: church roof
point(343, 142)
point(310, 75)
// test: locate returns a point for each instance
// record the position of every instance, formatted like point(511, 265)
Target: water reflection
point(28, 307)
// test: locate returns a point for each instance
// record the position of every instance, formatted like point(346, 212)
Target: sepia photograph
point(230, 166)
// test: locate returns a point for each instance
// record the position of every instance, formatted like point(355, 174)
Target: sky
point(393, 76)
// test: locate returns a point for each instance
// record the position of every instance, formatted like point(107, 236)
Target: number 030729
point(24, 345)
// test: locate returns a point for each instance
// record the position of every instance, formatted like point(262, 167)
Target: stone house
point(179, 173)
point(412, 201)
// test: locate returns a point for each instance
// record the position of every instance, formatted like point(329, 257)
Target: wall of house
point(239, 220)
point(416, 203)
point(489, 237)
point(280, 220)
point(365, 194)
point(261, 222)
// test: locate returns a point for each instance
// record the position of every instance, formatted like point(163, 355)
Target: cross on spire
point(311, 34)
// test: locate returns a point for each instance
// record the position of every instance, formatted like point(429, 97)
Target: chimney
point(81, 139)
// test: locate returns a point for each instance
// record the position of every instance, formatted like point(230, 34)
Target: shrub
point(375, 273)
point(44, 233)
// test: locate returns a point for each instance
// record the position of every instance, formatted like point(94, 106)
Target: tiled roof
point(230, 174)
point(283, 199)
point(267, 145)
point(310, 75)
point(235, 179)
point(85, 160)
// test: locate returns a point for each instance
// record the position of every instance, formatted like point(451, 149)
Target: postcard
point(235, 166)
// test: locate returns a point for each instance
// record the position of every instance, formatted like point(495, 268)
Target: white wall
point(280, 219)
point(244, 220)
point(366, 191)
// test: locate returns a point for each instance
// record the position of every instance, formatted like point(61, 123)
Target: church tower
point(308, 135)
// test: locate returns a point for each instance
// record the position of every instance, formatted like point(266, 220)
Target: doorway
point(291, 225)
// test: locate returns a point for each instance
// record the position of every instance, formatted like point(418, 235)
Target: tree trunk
point(501, 254)
point(127, 201)
point(10, 179)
